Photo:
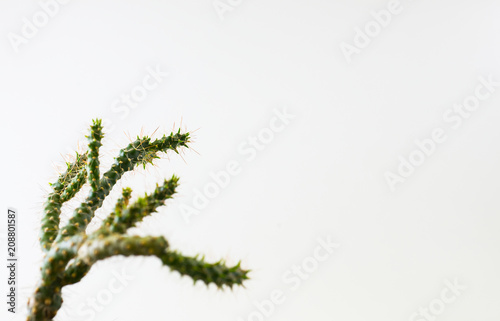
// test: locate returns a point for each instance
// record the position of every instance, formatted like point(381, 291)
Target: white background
point(322, 175)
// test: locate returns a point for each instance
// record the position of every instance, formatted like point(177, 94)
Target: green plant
point(70, 252)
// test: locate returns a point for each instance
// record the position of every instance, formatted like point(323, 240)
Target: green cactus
point(70, 252)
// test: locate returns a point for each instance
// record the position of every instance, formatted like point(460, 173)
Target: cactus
point(70, 252)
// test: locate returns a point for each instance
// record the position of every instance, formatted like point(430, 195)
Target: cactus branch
point(93, 162)
point(74, 186)
point(129, 216)
point(66, 186)
point(102, 248)
point(196, 268)
point(120, 205)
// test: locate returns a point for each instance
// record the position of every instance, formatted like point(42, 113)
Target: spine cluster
point(70, 252)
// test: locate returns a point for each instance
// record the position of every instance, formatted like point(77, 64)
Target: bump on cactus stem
point(70, 251)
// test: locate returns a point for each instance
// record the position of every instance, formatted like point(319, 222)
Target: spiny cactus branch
point(74, 186)
point(66, 186)
point(93, 162)
point(129, 216)
point(120, 205)
point(196, 268)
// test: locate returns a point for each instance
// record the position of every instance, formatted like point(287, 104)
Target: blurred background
point(347, 152)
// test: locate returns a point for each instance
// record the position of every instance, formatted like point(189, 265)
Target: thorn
point(195, 151)
point(128, 136)
point(155, 131)
point(194, 131)
point(183, 159)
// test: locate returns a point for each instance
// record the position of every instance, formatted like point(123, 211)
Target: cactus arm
point(101, 248)
point(127, 245)
point(121, 204)
point(67, 183)
point(71, 171)
point(138, 152)
point(94, 138)
point(74, 186)
point(50, 221)
point(196, 268)
point(133, 214)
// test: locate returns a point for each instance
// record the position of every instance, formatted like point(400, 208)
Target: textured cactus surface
point(70, 251)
